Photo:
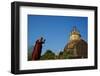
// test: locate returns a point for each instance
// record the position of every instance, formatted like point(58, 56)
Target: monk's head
point(41, 38)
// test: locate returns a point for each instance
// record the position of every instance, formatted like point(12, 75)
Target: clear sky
point(55, 29)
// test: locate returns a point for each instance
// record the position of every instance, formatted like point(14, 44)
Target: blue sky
point(55, 29)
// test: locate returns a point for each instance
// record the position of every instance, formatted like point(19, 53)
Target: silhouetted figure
point(37, 49)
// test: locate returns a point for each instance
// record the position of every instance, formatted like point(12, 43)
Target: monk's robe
point(37, 50)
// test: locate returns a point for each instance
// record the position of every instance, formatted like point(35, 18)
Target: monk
point(37, 49)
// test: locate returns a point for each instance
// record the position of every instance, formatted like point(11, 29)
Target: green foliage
point(60, 55)
point(48, 55)
point(30, 53)
point(64, 55)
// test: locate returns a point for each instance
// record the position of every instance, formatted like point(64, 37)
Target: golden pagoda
point(76, 47)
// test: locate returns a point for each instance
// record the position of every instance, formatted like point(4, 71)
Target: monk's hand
point(44, 40)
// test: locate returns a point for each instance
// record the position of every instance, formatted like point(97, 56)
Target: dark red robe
point(37, 50)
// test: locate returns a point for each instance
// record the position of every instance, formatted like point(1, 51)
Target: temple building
point(76, 47)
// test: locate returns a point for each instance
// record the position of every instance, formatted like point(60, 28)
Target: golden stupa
point(76, 47)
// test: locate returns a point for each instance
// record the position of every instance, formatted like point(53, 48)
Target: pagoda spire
point(74, 29)
point(75, 34)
